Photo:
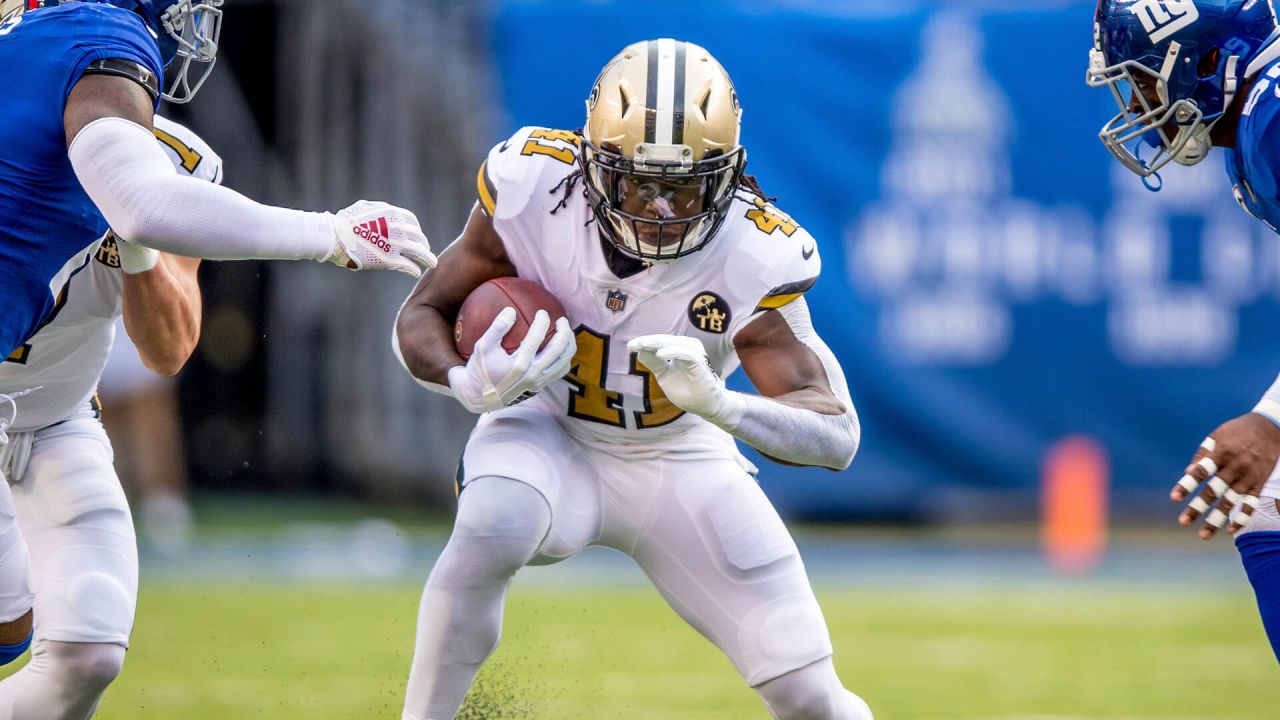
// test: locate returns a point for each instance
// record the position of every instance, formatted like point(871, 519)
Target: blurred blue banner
point(993, 281)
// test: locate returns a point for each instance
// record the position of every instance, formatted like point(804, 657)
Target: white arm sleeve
point(1269, 405)
point(146, 200)
point(787, 433)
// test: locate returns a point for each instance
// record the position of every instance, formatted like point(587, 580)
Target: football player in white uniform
point(71, 514)
point(673, 268)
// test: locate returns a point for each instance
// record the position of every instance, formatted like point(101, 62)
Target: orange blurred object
point(1073, 505)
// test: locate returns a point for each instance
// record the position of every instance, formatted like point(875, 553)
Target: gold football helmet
point(10, 9)
point(660, 149)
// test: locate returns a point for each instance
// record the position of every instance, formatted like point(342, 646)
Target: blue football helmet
point(1173, 68)
point(187, 31)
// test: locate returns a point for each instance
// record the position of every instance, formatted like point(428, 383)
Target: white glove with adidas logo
point(377, 236)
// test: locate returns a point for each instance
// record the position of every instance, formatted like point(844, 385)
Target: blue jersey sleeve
point(1258, 144)
point(106, 31)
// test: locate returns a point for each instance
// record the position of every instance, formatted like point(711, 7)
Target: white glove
point(680, 366)
point(493, 379)
point(135, 258)
point(378, 236)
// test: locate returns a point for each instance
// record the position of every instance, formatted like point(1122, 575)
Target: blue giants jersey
point(48, 225)
point(1254, 163)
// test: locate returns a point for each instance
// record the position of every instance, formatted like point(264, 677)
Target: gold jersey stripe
point(783, 294)
point(773, 302)
point(484, 187)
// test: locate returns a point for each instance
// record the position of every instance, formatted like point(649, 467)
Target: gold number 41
point(591, 400)
point(534, 144)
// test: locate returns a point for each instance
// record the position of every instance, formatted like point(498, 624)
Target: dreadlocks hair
point(568, 183)
point(751, 185)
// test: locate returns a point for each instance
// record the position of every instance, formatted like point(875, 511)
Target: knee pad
point(9, 653)
point(100, 601)
point(813, 692)
point(90, 666)
point(507, 516)
point(501, 524)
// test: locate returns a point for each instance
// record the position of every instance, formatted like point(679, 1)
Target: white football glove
point(377, 236)
point(493, 378)
point(680, 366)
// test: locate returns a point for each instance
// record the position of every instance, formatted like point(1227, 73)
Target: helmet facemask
point(191, 39)
point(659, 205)
point(1178, 130)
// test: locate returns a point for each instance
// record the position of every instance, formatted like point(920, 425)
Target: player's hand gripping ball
point(513, 347)
point(485, 302)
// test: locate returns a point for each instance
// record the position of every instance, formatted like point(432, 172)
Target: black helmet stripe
point(651, 93)
point(677, 108)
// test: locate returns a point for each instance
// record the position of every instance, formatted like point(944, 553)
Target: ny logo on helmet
point(1162, 18)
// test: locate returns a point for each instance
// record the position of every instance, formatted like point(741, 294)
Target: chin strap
point(1151, 181)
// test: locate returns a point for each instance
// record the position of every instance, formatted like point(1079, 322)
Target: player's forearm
point(1269, 405)
point(423, 342)
point(162, 308)
point(816, 425)
point(818, 431)
point(143, 198)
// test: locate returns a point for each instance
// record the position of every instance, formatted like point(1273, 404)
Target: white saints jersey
point(759, 259)
point(64, 359)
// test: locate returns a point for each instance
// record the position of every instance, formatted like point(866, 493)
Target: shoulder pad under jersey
point(97, 31)
point(771, 260)
point(521, 165)
point(779, 257)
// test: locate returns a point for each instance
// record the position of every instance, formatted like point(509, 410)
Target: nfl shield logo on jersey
point(616, 301)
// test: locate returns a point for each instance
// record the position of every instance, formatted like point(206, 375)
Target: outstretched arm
point(108, 129)
point(803, 415)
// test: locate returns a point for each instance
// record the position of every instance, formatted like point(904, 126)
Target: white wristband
point(1269, 406)
point(1269, 409)
point(135, 258)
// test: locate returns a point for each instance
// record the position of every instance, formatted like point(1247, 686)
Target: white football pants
point(701, 529)
point(74, 518)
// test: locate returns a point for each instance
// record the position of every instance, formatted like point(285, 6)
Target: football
point(486, 301)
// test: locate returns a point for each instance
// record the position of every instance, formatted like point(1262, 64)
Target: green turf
point(298, 652)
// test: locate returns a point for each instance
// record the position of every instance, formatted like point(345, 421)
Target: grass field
point(294, 652)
